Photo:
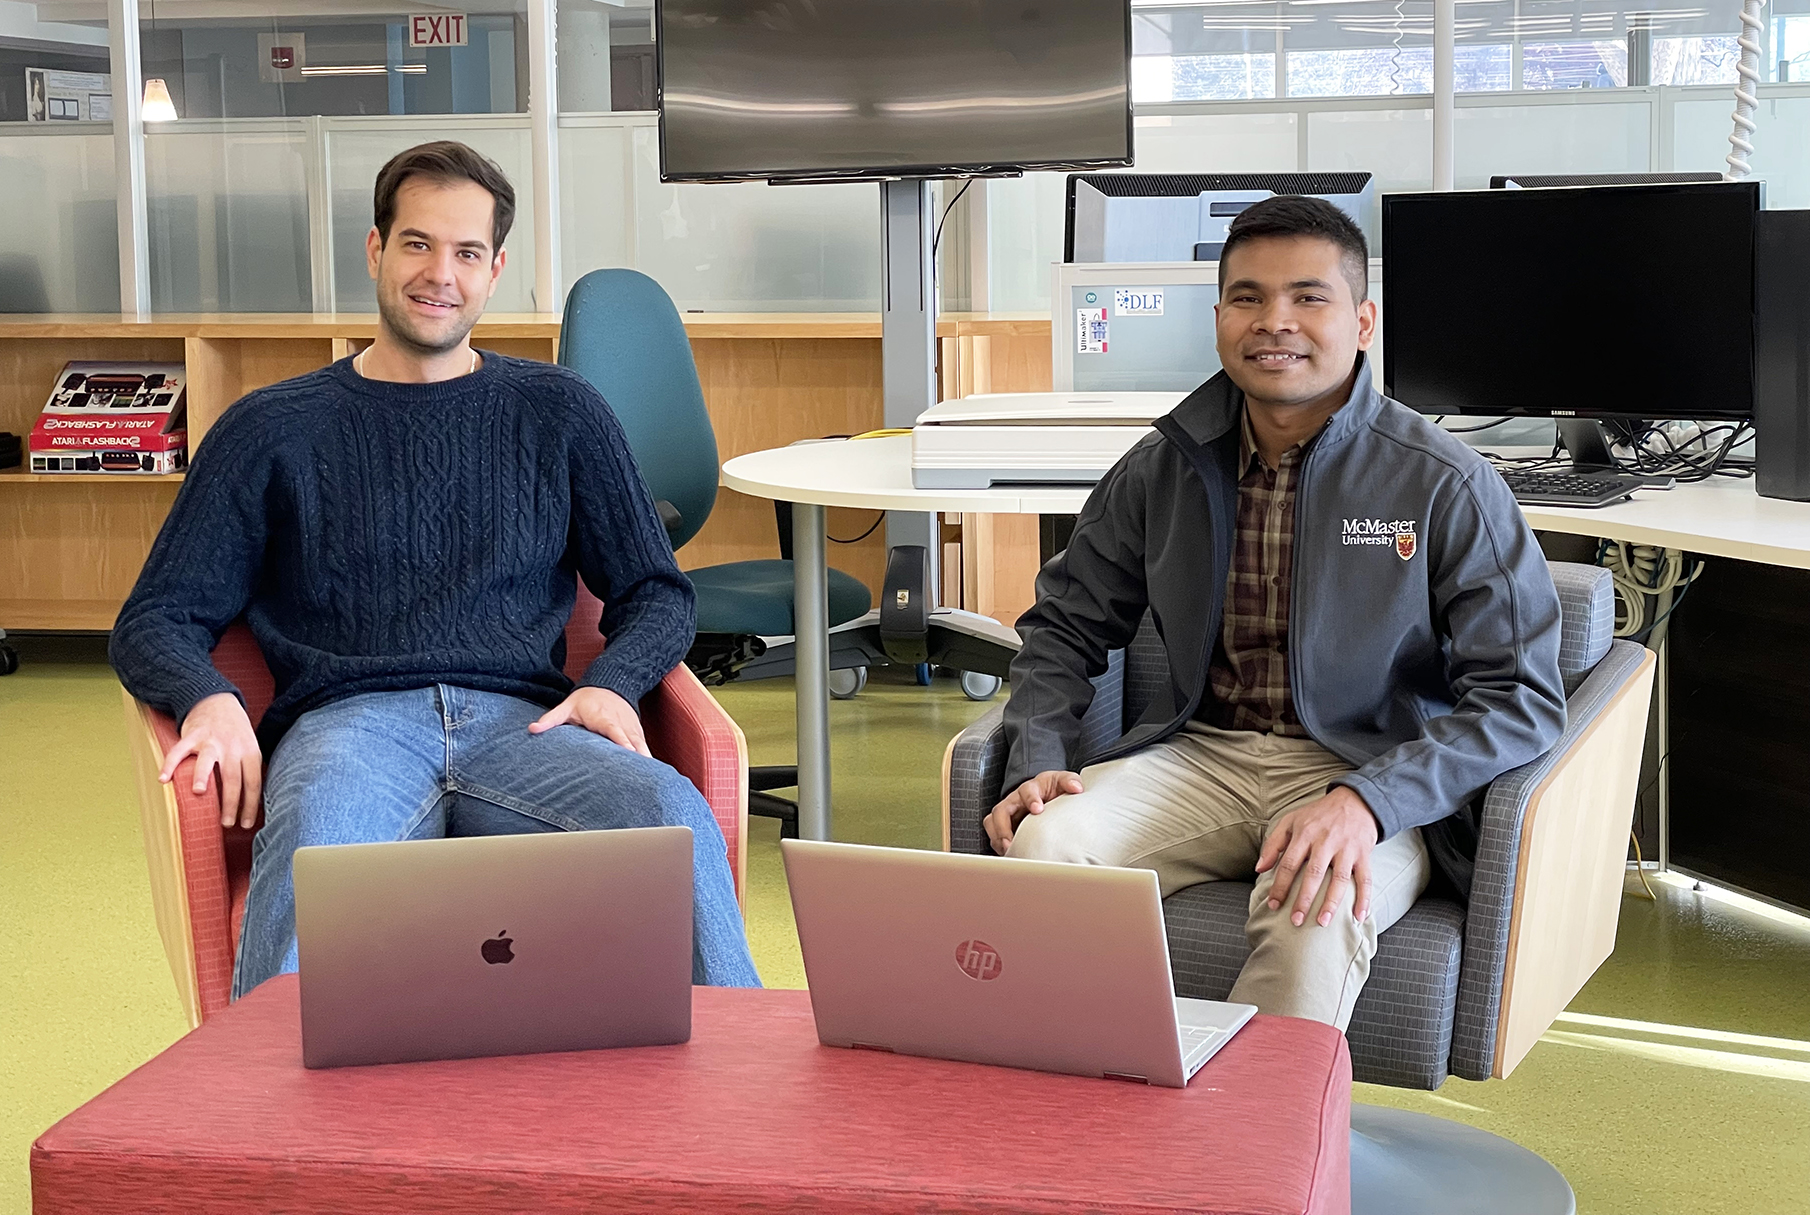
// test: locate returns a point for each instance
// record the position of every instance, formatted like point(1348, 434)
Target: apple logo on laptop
point(498, 951)
point(978, 960)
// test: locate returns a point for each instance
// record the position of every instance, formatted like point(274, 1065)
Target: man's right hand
point(219, 735)
point(1027, 798)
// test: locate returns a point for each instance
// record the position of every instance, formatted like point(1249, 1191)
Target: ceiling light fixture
point(155, 105)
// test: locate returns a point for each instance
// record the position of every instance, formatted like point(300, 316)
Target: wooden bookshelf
point(71, 544)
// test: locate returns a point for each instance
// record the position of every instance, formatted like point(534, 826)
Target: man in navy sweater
point(402, 530)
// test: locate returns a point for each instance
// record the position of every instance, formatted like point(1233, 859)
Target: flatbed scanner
point(1030, 437)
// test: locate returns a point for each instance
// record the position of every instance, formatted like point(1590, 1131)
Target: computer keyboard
point(1570, 488)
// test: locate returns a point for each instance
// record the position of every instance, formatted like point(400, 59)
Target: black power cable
point(937, 238)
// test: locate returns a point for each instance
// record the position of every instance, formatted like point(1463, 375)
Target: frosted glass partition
point(1395, 145)
point(1244, 142)
point(1700, 127)
point(596, 193)
point(1025, 218)
point(751, 247)
point(59, 247)
point(227, 215)
point(1570, 137)
point(357, 148)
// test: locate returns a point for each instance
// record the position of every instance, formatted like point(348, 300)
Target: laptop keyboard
point(1198, 1042)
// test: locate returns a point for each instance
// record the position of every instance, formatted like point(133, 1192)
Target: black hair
point(1296, 215)
point(444, 161)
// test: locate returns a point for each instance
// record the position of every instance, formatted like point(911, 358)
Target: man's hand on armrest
point(1324, 844)
point(1028, 798)
point(219, 735)
point(600, 711)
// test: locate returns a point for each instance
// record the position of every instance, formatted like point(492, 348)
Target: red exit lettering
point(430, 29)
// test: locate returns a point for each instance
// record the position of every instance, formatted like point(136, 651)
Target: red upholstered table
point(752, 1115)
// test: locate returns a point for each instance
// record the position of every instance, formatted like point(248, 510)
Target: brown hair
point(444, 161)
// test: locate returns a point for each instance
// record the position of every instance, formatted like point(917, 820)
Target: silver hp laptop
point(1060, 968)
point(494, 945)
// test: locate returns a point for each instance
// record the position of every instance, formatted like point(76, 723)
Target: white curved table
point(874, 474)
point(1722, 517)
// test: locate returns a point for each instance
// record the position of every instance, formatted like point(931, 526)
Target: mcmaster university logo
point(1379, 532)
point(978, 960)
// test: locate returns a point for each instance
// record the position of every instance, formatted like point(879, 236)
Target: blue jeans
point(450, 761)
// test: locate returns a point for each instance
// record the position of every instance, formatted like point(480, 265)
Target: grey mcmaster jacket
point(1423, 632)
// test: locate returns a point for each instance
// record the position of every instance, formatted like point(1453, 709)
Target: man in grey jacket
point(1360, 627)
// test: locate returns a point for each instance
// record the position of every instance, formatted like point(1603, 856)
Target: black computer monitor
point(1619, 302)
point(1531, 181)
point(1183, 217)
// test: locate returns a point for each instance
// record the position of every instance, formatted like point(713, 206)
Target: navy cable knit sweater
point(381, 536)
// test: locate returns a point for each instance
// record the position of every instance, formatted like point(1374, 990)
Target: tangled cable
point(1688, 455)
point(1639, 572)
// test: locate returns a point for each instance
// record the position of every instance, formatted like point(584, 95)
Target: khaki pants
point(1196, 808)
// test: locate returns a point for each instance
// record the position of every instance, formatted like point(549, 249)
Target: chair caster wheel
point(9, 660)
point(976, 686)
point(846, 683)
point(923, 674)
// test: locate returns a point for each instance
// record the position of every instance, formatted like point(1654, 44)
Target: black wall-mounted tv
point(868, 89)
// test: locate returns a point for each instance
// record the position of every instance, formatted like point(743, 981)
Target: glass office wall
point(343, 63)
point(227, 215)
point(59, 246)
point(744, 247)
point(266, 207)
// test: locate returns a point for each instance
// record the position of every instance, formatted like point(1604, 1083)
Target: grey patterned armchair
point(1454, 989)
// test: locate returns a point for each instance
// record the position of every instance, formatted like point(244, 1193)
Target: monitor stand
point(1587, 444)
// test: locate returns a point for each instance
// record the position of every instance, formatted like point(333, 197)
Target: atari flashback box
point(113, 417)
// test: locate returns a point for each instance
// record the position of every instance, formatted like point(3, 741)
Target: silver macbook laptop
point(1060, 968)
point(494, 945)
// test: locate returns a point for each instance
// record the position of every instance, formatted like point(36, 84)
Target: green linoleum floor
point(1679, 1081)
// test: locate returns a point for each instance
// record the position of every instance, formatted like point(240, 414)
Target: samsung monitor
point(830, 90)
point(1534, 181)
point(1607, 303)
point(1183, 217)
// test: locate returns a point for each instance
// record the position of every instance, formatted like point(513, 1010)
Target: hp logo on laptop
point(978, 960)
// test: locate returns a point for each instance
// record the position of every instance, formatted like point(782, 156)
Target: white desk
point(1722, 517)
point(870, 473)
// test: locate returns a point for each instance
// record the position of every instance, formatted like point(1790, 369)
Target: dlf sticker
point(1137, 301)
point(1090, 324)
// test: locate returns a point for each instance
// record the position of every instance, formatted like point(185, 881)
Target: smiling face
point(437, 270)
point(1289, 324)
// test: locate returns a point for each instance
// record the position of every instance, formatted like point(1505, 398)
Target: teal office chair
point(623, 334)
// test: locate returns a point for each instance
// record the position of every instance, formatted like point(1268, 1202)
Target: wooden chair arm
point(1569, 874)
point(186, 855)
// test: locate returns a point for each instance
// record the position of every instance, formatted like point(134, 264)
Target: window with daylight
point(1385, 71)
point(1160, 78)
point(1574, 65)
point(1204, 50)
point(1707, 60)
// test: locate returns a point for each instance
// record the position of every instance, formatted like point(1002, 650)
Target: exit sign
point(444, 29)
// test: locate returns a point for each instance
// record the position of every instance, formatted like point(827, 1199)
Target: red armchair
point(200, 871)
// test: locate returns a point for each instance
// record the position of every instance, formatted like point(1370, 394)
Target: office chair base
point(761, 781)
point(1404, 1163)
